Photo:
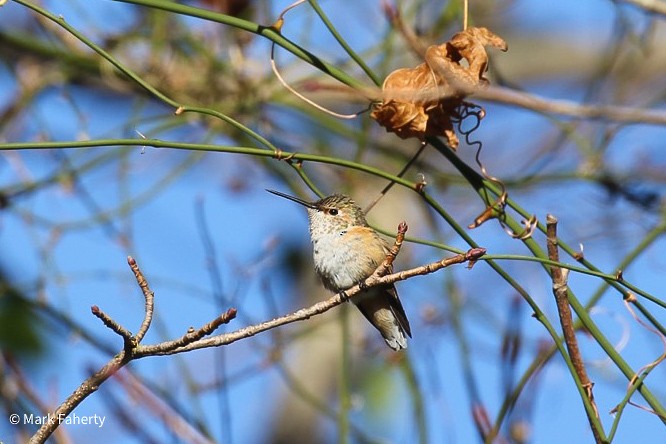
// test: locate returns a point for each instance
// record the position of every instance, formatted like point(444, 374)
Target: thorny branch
point(560, 290)
point(194, 339)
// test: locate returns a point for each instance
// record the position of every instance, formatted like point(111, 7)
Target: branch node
point(559, 287)
point(474, 254)
point(279, 155)
point(193, 335)
point(630, 297)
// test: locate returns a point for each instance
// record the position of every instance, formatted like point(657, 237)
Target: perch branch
point(194, 339)
point(316, 309)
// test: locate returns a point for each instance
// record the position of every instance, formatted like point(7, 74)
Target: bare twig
point(88, 387)
point(313, 310)
point(560, 290)
point(278, 27)
point(400, 174)
point(194, 339)
point(525, 100)
point(481, 419)
point(395, 250)
point(310, 102)
point(395, 18)
point(128, 340)
point(509, 96)
point(148, 295)
point(195, 335)
point(129, 352)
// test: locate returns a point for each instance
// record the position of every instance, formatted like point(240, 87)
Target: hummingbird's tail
point(383, 309)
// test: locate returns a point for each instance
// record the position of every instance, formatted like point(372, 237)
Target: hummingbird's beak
point(295, 199)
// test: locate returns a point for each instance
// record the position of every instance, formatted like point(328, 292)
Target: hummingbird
point(346, 251)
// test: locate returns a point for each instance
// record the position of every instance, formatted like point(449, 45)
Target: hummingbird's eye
point(332, 211)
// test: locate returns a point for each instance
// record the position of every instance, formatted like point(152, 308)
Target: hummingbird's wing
point(381, 306)
point(394, 300)
point(396, 308)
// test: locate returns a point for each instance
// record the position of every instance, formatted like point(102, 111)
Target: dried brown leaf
point(423, 101)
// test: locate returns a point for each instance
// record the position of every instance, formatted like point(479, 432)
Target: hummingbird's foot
point(344, 296)
point(362, 285)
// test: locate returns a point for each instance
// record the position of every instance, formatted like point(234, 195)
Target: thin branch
point(192, 340)
point(532, 102)
point(128, 339)
point(88, 387)
point(131, 345)
point(148, 295)
point(395, 19)
point(166, 348)
point(195, 335)
point(394, 251)
point(402, 172)
point(560, 290)
point(543, 105)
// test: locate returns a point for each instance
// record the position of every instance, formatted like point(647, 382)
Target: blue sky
point(254, 233)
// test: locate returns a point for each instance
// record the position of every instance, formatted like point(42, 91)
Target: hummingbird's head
point(331, 214)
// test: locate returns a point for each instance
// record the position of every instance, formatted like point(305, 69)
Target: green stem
point(619, 409)
point(262, 152)
point(269, 32)
point(340, 162)
point(139, 81)
point(370, 73)
point(605, 276)
point(540, 360)
point(482, 187)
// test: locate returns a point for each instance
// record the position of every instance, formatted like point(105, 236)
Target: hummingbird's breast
point(342, 259)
